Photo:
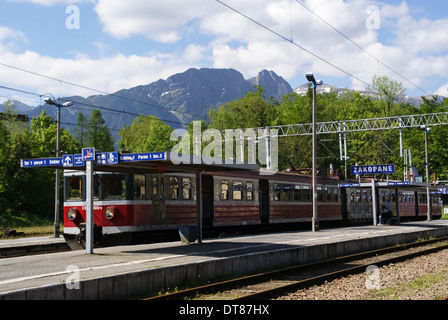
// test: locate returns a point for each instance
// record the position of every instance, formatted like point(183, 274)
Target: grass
point(38, 231)
point(409, 289)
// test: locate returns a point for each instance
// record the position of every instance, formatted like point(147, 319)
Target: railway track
point(278, 282)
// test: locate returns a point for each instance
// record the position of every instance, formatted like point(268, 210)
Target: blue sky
point(121, 44)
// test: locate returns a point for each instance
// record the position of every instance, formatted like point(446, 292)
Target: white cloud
point(10, 34)
point(162, 21)
point(108, 74)
point(413, 46)
point(48, 3)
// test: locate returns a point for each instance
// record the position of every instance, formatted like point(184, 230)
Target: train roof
point(143, 163)
point(275, 176)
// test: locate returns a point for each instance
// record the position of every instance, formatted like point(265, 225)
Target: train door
point(264, 201)
point(207, 200)
point(158, 198)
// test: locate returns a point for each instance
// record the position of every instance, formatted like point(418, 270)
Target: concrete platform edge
point(149, 282)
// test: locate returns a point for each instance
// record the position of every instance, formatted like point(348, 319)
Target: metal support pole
point(340, 142)
point(57, 179)
point(401, 138)
point(345, 152)
point(199, 209)
point(315, 219)
point(374, 204)
point(89, 207)
point(428, 194)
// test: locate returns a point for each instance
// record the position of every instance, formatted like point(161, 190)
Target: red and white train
point(148, 207)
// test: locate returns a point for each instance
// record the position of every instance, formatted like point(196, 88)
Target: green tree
point(252, 111)
point(98, 135)
point(146, 134)
point(437, 142)
point(388, 91)
point(80, 132)
point(27, 195)
point(44, 130)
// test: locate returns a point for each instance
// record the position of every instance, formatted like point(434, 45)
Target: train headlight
point(71, 214)
point(109, 213)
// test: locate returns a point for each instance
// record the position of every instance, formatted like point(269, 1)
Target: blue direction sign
point(78, 160)
point(88, 154)
point(374, 169)
point(112, 158)
point(131, 157)
point(47, 162)
point(67, 160)
point(399, 183)
point(106, 158)
point(349, 185)
point(100, 158)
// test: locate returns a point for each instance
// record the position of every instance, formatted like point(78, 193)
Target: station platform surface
point(124, 271)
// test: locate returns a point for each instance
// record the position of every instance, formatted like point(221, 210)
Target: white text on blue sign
point(374, 169)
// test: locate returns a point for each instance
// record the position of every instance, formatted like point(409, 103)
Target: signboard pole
point(374, 206)
point(89, 207)
point(88, 155)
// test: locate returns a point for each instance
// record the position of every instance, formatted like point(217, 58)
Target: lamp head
point(310, 77)
point(49, 101)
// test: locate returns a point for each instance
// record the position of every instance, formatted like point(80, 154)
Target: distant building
point(13, 117)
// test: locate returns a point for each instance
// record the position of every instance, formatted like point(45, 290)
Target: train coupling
point(78, 241)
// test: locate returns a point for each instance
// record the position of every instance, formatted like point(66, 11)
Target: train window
point(249, 190)
point(320, 194)
point(224, 189)
point(186, 188)
point(114, 186)
point(173, 188)
point(365, 197)
point(295, 193)
point(237, 190)
point(155, 188)
point(358, 195)
point(139, 187)
point(306, 193)
point(277, 192)
point(286, 192)
point(96, 187)
point(73, 188)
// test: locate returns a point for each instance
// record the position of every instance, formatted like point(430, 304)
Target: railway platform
point(126, 272)
point(33, 245)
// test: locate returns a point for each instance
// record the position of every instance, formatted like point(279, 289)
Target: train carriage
point(126, 204)
point(236, 201)
point(292, 202)
point(154, 206)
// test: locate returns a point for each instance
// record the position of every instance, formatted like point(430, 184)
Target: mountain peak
point(274, 85)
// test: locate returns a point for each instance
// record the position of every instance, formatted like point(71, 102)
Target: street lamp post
point(52, 101)
point(428, 194)
point(315, 219)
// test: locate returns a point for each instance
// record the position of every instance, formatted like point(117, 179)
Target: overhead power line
point(99, 91)
point(309, 51)
point(359, 47)
point(292, 42)
point(123, 112)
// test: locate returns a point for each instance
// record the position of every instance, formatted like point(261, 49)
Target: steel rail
point(334, 275)
point(232, 283)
